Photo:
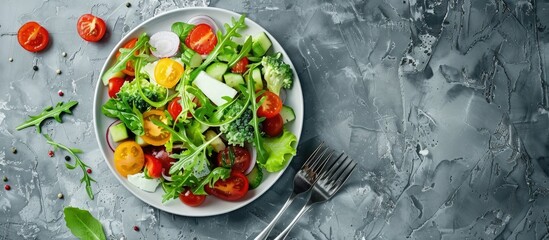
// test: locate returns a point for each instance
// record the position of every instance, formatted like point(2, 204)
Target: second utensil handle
point(287, 230)
point(265, 233)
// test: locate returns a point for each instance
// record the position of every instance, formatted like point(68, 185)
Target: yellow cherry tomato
point(168, 72)
point(154, 134)
point(128, 158)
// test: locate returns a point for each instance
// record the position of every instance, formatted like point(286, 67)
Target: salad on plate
point(199, 110)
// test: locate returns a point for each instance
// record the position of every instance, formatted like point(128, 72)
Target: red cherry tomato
point(188, 197)
point(273, 126)
point(201, 39)
point(271, 106)
point(242, 158)
point(174, 107)
point(114, 86)
point(91, 28)
point(163, 156)
point(33, 37)
point(231, 189)
point(241, 66)
point(153, 165)
point(129, 70)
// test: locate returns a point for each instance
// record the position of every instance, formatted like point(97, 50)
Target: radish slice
point(168, 178)
point(253, 159)
point(108, 136)
point(165, 44)
point(203, 19)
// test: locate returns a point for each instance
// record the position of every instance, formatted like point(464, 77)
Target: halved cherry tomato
point(33, 37)
point(241, 162)
point(154, 134)
point(188, 197)
point(241, 66)
point(91, 28)
point(201, 39)
point(174, 107)
point(168, 72)
point(271, 106)
point(273, 126)
point(128, 158)
point(129, 70)
point(153, 165)
point(163, 156)
point(231, 189)
point(114, 86)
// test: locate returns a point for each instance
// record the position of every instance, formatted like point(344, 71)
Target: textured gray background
point(382, 79)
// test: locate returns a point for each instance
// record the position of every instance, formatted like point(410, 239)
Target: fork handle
point(287, 230)
point(265, 233)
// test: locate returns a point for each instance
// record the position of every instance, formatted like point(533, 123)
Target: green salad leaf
point(131, 117)
point(173, 188)
point(182, 29)
point(258, 139)
point(48, 112)
point(213, 176)
point(280, 150)
point(246, 47)
point(83, 225)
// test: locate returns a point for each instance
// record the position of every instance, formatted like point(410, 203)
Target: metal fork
point(329, 182)
point(303, 182)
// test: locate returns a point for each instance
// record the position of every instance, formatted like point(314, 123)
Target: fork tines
point(337, 172)
point(316, 162)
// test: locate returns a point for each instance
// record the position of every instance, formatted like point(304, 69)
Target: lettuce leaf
point(280, 150)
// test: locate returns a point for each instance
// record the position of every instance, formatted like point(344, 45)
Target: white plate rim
point(97, 103)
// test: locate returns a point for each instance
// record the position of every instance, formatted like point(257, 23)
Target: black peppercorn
point(67, 158)
point(35, 68)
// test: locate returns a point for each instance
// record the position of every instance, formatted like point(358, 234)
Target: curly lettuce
point(279, 150)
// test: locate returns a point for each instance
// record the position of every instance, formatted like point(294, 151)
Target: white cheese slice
point(139, 180)
point(213, 89)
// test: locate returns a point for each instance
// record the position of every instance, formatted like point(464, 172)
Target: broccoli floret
point(276, 73)
point(240, 130)
point(130, 93)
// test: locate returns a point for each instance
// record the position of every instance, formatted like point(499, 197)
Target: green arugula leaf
point(262, 155)
point(125, 56)
point(78, 163)
point(83, 225)
point(182, 29)
point(224, 40)
point(191, 157)
point(246, 47)
point(48, 112)
point(175, 187)
point(213, 176)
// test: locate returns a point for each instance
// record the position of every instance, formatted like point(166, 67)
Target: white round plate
point(212, 205)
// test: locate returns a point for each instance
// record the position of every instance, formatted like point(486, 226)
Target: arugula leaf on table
point(182, 29)
point(213, 176)
point(48, 112)
point(131, 117)
point(224, 40)
point(125, 56)
point(74, 151)
point(83, 225)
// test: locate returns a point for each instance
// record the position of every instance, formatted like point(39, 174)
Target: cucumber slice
point(217, 144)
point(196, 60)
point(118, 132)
point(191, 58)
point(108, 76)
point(256, 75)
point(233, 79)
point(217, 69)
point(139, 140)
point(255, 177)
point(260, 44)
point(287, 114)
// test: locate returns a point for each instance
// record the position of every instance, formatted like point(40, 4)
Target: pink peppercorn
point(61, 93)
point(7, 187)
point(89, 170)
point(50, 153)
point(136, 228)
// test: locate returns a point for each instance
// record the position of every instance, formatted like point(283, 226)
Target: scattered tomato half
point(174, 107)
point(201, 39)
point(231, 189)
point(154, 134)
point(114, 86)
point(241, 66)
point(273, 126)
point(188, 197)
point(242, 158)
point(128, 158)
point(153, 165)
point(33, 37)
point(271, 106)
point(168, 72)
point(91, 28)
